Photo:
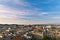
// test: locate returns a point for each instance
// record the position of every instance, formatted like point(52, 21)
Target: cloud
point(43, 13)
point(13, 14)
point(11, 11)
point(16, 2)
point(57, 17)
point(24, 12)
point(47, 1)
point(4, 0)
point(8, 14)
point(20, 2)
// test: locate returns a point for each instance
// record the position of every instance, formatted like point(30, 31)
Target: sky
point(29, 11)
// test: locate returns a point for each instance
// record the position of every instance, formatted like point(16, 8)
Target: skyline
point(29, 11)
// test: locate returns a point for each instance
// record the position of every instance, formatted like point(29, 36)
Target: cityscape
point(29, 32)
point(29, 19)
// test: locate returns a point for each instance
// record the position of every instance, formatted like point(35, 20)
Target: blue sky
point(30, 11)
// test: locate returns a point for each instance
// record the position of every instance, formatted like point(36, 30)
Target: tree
point(34, 39)
point(48, 38)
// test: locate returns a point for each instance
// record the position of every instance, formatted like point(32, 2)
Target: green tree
point(48, 38)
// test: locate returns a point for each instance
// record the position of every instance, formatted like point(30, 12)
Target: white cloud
point(4, 10)
point(56, 17)
point(21, 2)
point(18, 2)
point(8, 14)
point(43, 13)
